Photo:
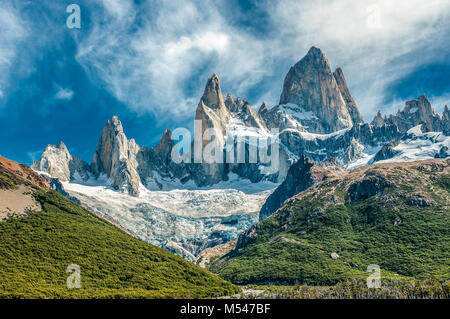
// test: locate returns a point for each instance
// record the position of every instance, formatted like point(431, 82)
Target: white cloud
point(12, 31)
point(365, 38)
point(64, 94)
point(150, 68)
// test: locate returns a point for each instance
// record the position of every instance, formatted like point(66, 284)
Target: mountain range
point(316, 121)
point(45, 237)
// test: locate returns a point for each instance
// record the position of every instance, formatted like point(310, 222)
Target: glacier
point(184, 221)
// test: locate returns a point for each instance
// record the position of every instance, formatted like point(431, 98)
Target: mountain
point(301, 175)
point(116, 158)
point(312, 87)
point(415, 145)
point(237, 156)
point(37, 246)
point(394, 215)
point(60, 164)
point(317, 117)
point(416, 112)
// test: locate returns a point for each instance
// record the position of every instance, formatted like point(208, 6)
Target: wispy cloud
point(64, 94)
point(368, 38)
point(157, 57)
point(34, 155)
point(163, 66)
point(12, 31)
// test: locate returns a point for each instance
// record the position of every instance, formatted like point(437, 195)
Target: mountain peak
point(55, 161)
point(165, 145)
point(229, 101)
point(315, 51)
point(212, 96)
point(422, 103)
point(378, 119)
point(317, 56)
point(262, 108)
point(311, 84)
point(61, 145)
point(166, 138)
point(115, 124)
point(116, 158)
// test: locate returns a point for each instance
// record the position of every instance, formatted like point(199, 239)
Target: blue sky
point(148, 61)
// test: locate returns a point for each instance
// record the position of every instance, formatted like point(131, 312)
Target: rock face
point(311, 85)
point(57, 161)
point(349, 101)
point(446, 120)
point(301, 175)
point(211, 110)
point(416, 112)
point(116, 158)
point(387, 151)
point(371, 184)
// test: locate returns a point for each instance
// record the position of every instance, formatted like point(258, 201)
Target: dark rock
point(386, 152)
point(443, 153)
point(371, 185)
point(301, 175)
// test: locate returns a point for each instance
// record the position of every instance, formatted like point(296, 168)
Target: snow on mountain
point(297, 112)
point(237, 127)
point(365, 157)
point(184, 221)
point(417, 145)
point(187, 207)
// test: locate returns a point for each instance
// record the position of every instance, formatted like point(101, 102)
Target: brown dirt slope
point(12, 173)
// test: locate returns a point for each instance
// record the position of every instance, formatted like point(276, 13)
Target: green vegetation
point(9, 182)
point(431, 288)
point(36, 250)
point(390, 229)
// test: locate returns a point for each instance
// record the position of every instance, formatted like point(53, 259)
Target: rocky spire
point(211, 110)
point(116, 158)
point(345, 92)
point(229, 101)
point(262, 108)
point(446, 119)
point(55, 161)
point(212, 96)
point(415, 112)
point(378, 119)
point(311, 85)
point(165, 145)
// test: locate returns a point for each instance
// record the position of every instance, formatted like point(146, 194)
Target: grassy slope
point(294, 245)
point(36, 250)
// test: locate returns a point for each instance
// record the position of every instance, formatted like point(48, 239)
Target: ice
point(168, 218)
point(297, 112)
